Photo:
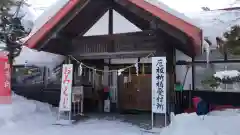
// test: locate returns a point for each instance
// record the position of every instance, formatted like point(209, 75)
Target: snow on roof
point(215, 23)
point(46, 16)
point(173, 12)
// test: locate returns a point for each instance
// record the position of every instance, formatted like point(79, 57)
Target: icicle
point(143, 69)
point(129, 75)
point(206, 47)
point(89, 75)
point(143, 66)
point(207, 55)
point(137, 70)
point(120, 71)
point(80, 70)
point(93, 76)
point(25, 64)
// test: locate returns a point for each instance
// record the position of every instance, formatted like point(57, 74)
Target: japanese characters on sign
point(66, 88)
point(5, 89)
point(7, 75)
point(159, 85)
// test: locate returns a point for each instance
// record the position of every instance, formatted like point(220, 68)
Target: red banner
point(5, 78)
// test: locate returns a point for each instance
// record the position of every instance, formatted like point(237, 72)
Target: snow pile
point(216, 123)
point(22, 109)
point(28, 117)
point(227, 74)
point(38, 58)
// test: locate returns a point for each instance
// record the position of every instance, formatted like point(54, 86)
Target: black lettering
point(159, 106)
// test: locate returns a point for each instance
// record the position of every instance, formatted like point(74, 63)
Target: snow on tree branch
point(12, 28)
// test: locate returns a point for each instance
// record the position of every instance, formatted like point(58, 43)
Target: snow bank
point(216, 123)
point(28, 117)
point(22, 109)
point(226, 74)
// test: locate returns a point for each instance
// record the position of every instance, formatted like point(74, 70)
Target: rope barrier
point(109, 71)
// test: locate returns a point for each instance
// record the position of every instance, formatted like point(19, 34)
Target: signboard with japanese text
point(159, 94)
point(66, 88)
point(5, 87)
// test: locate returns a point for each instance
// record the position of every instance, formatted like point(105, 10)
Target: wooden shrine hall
point(162, 33)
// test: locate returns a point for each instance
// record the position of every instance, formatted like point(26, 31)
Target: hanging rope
point(109, 71)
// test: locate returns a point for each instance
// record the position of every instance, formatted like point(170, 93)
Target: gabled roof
point(159, 10)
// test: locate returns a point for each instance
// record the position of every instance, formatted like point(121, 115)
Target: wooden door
point(127, 96)
point(136, 95)
point(144, 93)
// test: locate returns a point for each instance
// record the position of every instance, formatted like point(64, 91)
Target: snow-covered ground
point(216, 123)
point(27, 117)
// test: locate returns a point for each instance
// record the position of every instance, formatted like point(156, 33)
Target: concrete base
point(153, 131)
point(64, 122)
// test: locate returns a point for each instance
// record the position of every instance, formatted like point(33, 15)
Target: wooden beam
point(128, 42)
point(110, 28)
point(122, 37)
point(136, 54)
point(110, 22)
point(58, 46)
point(85, 19)
point(104, 48)
point(132, 17)
point(154, 22)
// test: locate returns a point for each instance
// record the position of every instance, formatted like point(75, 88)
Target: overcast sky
point(195, 5)
point(179, 5)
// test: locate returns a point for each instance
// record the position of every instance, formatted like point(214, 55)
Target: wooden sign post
point(65, 104)
point(159, 93)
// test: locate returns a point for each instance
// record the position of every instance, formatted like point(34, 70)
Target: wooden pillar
point(171, 75)
point(110, 22)
point(193, 73)
point(110, 29)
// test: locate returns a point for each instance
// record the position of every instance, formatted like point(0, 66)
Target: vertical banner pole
point(74, 108)
point(152, 120)
point(78, 112)
point(65, 104)
point(82, 100)
point(165, 119)
point(70, 116)
point(159, 88)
